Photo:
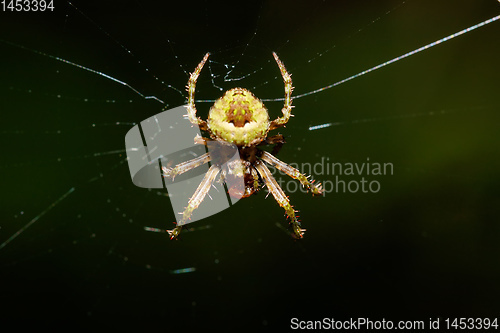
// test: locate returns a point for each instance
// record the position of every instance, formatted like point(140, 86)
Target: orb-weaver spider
point(239, 118)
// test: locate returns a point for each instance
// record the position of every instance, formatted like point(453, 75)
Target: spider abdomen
point(239, 117)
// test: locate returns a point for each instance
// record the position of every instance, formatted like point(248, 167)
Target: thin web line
point(406, 55)
point(85, 68)
point(36, 218)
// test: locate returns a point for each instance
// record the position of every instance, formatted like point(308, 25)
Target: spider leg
point(277, 140)
point(280, 197)
point(191, 87)
point(185, 166)
point(316, 189)
point(199, 140)
point(287, 108)
point(196, 200)
point(256, 179)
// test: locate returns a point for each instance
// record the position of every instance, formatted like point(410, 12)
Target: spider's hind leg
point(315, 188)
point(196, 200)
point(185, 166)
point(281, 198)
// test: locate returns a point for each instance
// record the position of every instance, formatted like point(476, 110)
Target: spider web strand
point(36, 218)
point(406, 55)
point(109, 77)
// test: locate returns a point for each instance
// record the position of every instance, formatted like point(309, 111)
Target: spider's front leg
point(191, 87)
point(316, 189)
point(287, 107)
point(196, 200)
point(280, 197)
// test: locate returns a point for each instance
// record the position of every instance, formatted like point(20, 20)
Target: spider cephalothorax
point(239, 118)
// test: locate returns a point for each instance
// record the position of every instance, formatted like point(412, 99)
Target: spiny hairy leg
point(174, 233)
point(287, 108)
point(185, 166)
point(199, 140)
point(255, 176)
point(316, 189)
point(191, 87)
point(280, 197)
point(196, 200)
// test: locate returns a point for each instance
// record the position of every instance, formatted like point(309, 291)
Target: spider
point(239, 118)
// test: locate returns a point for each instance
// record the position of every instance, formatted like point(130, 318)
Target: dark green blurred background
point(425, 246)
